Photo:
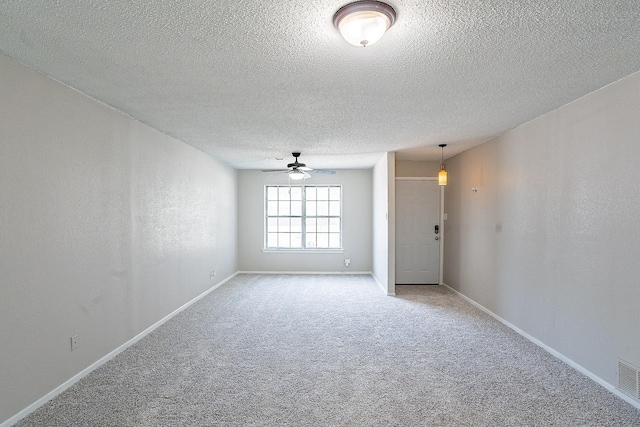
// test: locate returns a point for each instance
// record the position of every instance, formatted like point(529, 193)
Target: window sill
point(303, 251)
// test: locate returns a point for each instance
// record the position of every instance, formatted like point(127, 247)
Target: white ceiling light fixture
point(364, 22)
point(298, 175)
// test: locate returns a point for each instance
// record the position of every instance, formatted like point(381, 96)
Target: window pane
point(310, 192)
point(334, 240)
point(323, 225)
point(296, 240)
point(284, 208)
point(272, 193)
point(323, 240)
point(334, 225)
point(311, 240)
point(284, 240)
point(283, 193)
point(296, 193)
point(283, 225)
point(296, 225)
point(334, 208)
point(322, 209)
point(272, 240)
point(296, 208)
point(311, 208)
point(323, 193)
point(334, 193)
point(272, 208)
point(272, 225)
point(311, 225)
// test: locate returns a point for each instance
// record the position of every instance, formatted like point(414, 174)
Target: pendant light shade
point(364, 22)
point(442, 175)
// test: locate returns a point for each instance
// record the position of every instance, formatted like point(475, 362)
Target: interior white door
point(417, 214)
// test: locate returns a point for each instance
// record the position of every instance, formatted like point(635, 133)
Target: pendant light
point(364, 22)
point(442, 175)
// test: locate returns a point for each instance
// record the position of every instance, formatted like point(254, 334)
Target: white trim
point(302, 251)
point(308, 272)
point(387, 293)
point(441, 233)
point(551, 351)
point(104, 359)
point(416, 178)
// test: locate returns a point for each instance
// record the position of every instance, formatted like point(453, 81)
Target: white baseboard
point(368, 273)
point(386, 292)
point(306, 272)
point(551, 351)
point(71, 381)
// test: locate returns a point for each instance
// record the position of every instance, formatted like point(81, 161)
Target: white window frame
point(303, 218)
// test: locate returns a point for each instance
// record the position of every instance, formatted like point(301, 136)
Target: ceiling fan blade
point(323, 171)
point(304, 168)
point(275, 170)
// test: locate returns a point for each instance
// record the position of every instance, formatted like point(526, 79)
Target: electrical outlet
point(213, 273)
point(347, 261)
point(74, 342)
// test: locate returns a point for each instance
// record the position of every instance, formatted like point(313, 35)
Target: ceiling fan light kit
point(297, 175)
point(364, 22)
point(297, 169)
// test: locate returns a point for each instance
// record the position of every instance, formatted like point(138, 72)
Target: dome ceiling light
point(364, 22)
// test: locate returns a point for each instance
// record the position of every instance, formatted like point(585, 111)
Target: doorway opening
point(418, 231)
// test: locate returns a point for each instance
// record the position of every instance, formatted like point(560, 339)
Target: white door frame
point(440, 221)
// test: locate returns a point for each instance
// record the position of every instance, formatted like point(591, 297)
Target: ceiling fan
point(297, 170)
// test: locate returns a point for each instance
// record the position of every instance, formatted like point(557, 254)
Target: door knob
point(437, 237)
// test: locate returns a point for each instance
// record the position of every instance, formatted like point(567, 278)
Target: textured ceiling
point(247, 80)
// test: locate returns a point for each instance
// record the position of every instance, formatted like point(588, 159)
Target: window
point(303, 217)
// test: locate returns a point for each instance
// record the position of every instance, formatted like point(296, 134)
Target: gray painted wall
point(356, 224)
point(416, 169)
point(106, 226)
point(551, 240)
point(384, 214)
